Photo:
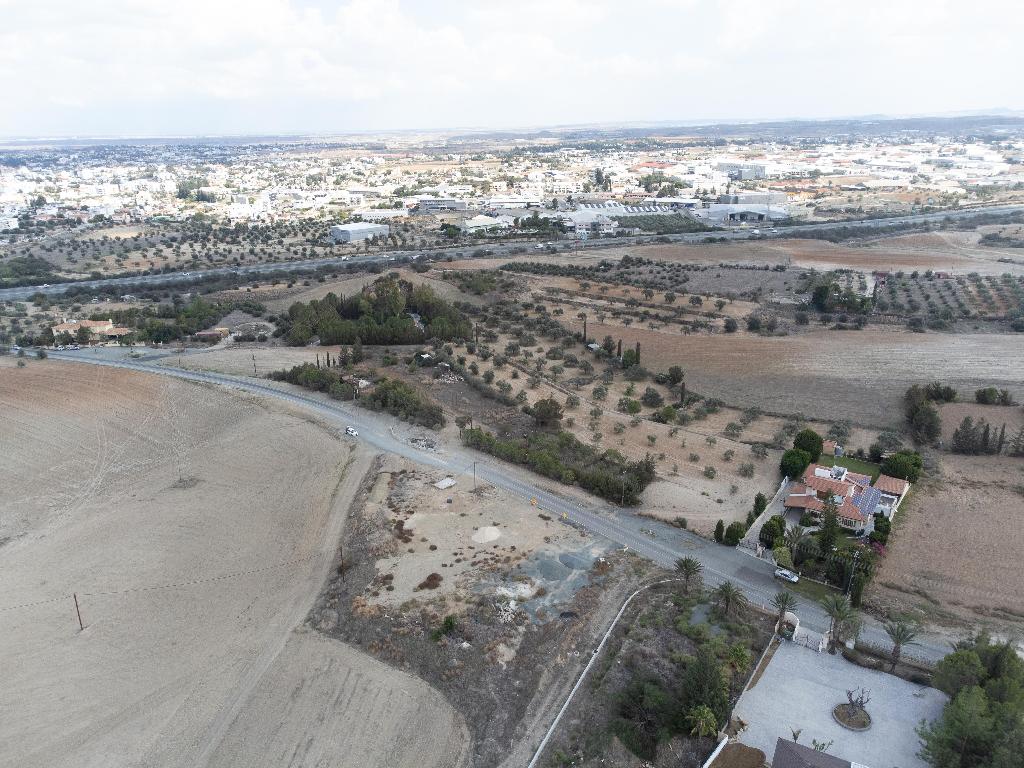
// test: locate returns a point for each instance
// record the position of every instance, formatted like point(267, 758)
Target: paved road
point(502, 249)
point(656, 541)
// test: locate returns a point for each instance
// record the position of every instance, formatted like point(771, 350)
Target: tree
point(794, 462)
point(810, 442)
point(906, 465)
point(729, 597)
point(926, 424)
point(704, 684)
point(719, 531)
point(689, 568)
point(841, 618)
point(731, 325)
point(901, 633)
point(760, 503)
point(734, 533)
point(702, 721)
point(783, 601)
point(547, 412)
point(958, 670)
point(963, 737)
point(828, 534)
point(83, 335)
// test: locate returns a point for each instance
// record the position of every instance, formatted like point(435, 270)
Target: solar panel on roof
point(867, 500)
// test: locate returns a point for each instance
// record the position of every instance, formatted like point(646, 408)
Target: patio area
point(800, 687)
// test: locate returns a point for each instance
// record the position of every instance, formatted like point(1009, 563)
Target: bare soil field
point(197, 527)
point(996, 415)
point(822, 373)
point(469, 596)
point(957, 545)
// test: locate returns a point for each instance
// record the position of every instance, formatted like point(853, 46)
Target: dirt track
point(197, 527)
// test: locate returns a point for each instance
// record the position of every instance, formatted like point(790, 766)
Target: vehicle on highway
point(786, 575)
point(15, 349)
point(60, 347)
point(351, 432)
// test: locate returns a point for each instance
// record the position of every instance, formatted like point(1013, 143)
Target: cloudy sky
point(183, 67)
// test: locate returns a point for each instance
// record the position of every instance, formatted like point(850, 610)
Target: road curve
point(659, 542)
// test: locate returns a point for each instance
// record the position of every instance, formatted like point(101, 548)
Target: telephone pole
point(81, 626)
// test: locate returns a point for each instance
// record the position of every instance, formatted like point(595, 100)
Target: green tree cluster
point(982, 726)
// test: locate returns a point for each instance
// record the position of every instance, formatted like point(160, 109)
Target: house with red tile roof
point(857, 500)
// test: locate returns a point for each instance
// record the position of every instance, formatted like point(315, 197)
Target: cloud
point(197, 66)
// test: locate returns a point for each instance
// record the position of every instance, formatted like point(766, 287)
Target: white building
point(363, 230)
point(438, 204)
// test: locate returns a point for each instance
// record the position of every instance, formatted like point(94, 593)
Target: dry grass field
point(197, 527)
point(824, 373)
point(958, 544)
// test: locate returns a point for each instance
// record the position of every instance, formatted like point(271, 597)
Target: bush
point(794, 462)
point(709, 473)
point(905, 465)
point(401, 400)
point(746, 469)
point(734, 533)
point(810, 442)
point(731, 326)
point(782, 558)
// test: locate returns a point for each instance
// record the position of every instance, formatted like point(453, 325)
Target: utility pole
point(474, 475)
point(81, 626)
point(853, 572)
point(254, 365)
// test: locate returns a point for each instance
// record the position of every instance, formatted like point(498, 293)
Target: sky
point(220, 67)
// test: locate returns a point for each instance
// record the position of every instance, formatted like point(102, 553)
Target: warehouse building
point(363, 230)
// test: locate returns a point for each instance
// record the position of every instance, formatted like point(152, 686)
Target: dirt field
point(958, 542)
point(196, 545)
point(861, 374)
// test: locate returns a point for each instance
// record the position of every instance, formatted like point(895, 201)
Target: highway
point(508, 249)
point(656, 541)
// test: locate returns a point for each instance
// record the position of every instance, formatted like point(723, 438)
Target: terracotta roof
point(800, 501)
point(887, 484)
point(850, 512)
point(859, 479)
point(825, 485)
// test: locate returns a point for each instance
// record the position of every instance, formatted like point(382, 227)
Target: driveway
point(800, 687)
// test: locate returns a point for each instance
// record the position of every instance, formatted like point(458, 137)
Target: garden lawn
point(854, 465)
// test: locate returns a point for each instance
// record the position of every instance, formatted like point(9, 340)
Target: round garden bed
point(852, 717)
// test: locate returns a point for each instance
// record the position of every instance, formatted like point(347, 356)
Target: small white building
point(439, 204)
point(362, 230)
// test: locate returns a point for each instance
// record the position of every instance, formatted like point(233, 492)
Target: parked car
point(351, 432)
point(60, 347)
point(786, 575)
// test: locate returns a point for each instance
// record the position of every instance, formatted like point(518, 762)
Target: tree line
point(562, 457)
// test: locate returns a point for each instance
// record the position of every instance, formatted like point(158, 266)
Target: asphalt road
point(503, 249)
point(659, 542)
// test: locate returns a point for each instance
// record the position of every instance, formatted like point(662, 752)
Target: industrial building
point(363, 230)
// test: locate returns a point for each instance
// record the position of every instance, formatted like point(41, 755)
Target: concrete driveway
point(800, 687)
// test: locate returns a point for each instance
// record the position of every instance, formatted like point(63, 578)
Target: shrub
point(719, 531)
point(794, 462)
point(810, 442)
point(746, 469)
point(905, 465)
point(782, 558)
point(734, 533)
point(731, 326)
point(709, 473)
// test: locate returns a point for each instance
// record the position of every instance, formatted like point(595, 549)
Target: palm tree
point(902, 633)
point(794, 538)
point(690, 568)
point(782, 602)
point(702, 721)
point(728, 596)
point(841, 616)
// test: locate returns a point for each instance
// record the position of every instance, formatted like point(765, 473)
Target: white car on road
point(351, 432)
point(786, 575)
